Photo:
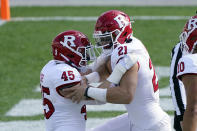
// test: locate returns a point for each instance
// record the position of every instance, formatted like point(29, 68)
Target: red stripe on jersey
point(119, 59)
point(69, 85)
point(138, 66)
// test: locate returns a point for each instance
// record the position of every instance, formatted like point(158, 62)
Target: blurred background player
point(187, 40)
point(187, 73)
point(71, 51)
point(133, 79)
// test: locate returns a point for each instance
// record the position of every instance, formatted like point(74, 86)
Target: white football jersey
point(61, 113)
point(187, 65)
point(144, 110)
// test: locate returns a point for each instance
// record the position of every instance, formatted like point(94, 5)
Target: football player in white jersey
point(133, 81)
point(187, 73)
point(71, 51)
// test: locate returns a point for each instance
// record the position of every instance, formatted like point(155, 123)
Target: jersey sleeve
point(123, 55)
point(65, 77)
point(187, 65)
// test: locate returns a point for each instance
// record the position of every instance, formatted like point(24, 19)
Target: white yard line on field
point(2, 22)
point(39, 125)
point(94, 18)
point(24, 107)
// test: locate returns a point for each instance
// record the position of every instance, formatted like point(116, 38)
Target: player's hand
point(84, 80)
point(76, 93)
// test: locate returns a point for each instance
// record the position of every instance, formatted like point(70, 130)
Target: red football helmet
point(73, 47)
point(188, 37)
point(112, 27)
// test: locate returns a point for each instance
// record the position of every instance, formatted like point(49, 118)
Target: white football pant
point(122, 123)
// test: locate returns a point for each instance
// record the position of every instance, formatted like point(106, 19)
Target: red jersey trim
point(119, 60)
point(138, 66)
point(180, 77)
point(69, 85)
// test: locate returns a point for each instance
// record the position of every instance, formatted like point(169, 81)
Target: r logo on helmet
point(121, 20)
point(192, 24)
point(68, 38)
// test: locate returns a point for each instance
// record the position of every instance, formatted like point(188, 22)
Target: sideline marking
point(24, 108)
point(94, 18)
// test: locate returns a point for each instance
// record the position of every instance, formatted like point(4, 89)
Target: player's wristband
point(97, 93)
point(93, 77)
point(86, 92)
point(117, 74)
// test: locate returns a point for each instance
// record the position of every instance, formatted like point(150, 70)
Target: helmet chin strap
point(69, 62)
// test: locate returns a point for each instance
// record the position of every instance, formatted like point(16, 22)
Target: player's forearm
point(117, 95)
point(190, 120)
point(103, 72)
point(190, 115)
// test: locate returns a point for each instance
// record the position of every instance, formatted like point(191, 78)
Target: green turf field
point(26, 46)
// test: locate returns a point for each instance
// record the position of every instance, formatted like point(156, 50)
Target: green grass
point(90, 114)
point(97, 10)
point(164, 82)
point(104, 114)
point(26, 46)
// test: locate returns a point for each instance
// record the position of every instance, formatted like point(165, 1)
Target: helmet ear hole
point(125, 34)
